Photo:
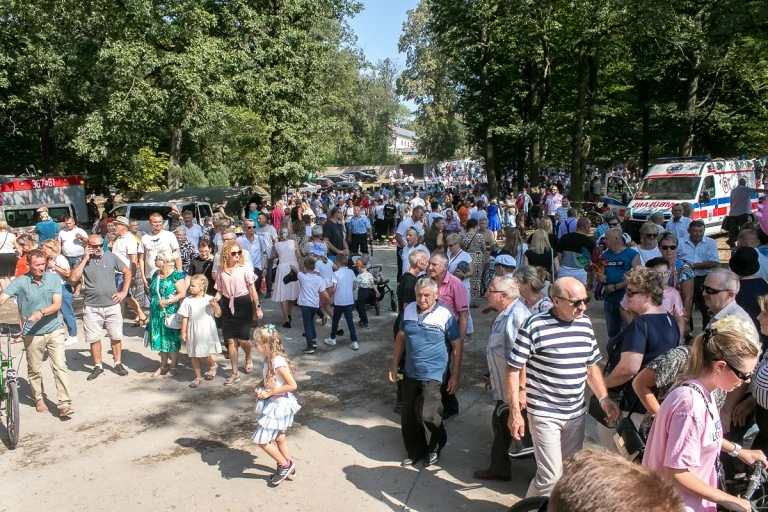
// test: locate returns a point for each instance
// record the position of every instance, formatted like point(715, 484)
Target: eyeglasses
point(575, 303)
point(632, 293)
point(250, 227)
point(712, 291)
point(95, 246)
point(668, 247)
point(236, 253)
point(496, 291)
point(743, 377)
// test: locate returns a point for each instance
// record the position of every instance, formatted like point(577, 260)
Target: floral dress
point(474, 245)
point(161, 338)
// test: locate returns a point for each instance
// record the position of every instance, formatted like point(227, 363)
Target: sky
point(378, 27)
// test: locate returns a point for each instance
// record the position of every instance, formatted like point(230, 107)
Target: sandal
point(195, 383)
point(172, 373)
point(211, 373)
point(160, 371)
point(249, 368)
point(141, 322)
point(235, 377)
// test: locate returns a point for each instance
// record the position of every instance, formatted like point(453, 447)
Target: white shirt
point(61, 262)
point(256, 249)
point(705, 250)
point(152, 244)
point(679, 228)
point(326, 271)
point(124, 247)
point(407, 252)
point(311, 286)
point(344, 279)
point(453, 262)
point(70, 245)
point(193, 234)
point(268, 233)
point(409, 223)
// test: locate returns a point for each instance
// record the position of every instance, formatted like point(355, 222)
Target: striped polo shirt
point(556, 355)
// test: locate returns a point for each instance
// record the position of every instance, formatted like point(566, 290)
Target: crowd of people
point(690, 397)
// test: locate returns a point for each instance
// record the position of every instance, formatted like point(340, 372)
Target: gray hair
point(730, 279)
point(412, 229)
point(534, 276)
point(426, 282)
point(614, 232)
point(414, 256)
point(317, 230)
point(508, 285)
point(439, 256)
point(657, 217)
point(453, 238)
point(166, 257)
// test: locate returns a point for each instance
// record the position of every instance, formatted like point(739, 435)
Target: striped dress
point(556, 355)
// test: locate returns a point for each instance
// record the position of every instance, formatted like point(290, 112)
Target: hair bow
point(270, 328)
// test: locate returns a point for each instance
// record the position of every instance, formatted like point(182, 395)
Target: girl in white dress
point(198, 328)
point(277, 405)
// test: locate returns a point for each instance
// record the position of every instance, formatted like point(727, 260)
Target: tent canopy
point(236, 197)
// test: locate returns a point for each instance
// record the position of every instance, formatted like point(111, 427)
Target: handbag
point(172, 320)
point(628, 440)
point(290, 277)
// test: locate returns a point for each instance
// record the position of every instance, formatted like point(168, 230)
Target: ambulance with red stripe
point(21, 197)
point(706, 184)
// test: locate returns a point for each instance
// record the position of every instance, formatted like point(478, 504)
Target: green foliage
point(147, 172)
point(191, 175)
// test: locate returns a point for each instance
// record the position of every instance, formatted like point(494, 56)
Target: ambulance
point(705, 183)
point(20, 198)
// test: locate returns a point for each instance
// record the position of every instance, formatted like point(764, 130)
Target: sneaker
point(72, 340)
point(432, 459)
point(365, 327)
point(282, 473)
point(354, 345)
point(66, 412)
point(330, 341)
point(97, 370)
point(120, 370)
point(523, 452)
point(309, 350)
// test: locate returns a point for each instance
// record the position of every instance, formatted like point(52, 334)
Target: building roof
point(402, 132)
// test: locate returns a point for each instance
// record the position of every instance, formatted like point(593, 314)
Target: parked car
point(141, 211)
point(347, 177)
point(307, 187)
point(365, 176)
point(346, 186)
point(336, 178)
point(322, 182)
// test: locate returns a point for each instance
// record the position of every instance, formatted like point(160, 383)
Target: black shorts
point(8, 264)
point(237, 326)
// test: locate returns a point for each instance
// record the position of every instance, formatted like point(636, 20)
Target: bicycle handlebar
point(755, 480)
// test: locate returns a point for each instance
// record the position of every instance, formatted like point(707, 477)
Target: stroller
point(382, 285)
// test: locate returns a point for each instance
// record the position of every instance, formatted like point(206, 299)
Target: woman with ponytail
point(686, 436)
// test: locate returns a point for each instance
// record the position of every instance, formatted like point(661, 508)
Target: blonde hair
point(729, 339)
point(270, 338)
point(166, 257)
point(226, 258)
point(534, 276)
point(201, 280)
point(545, 223)
point(53, 245)
point(540, 241)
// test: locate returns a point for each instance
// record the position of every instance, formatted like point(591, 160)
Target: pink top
point(452, 294)
point(686, 434)
point(277, 216)
point(672, 303)
point(235, 284)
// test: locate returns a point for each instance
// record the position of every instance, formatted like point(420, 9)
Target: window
point(668, 188)
point(27, 217)
point(118, 211)
point(205, 211)
point(142, 213)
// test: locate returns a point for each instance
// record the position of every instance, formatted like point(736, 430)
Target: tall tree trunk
point(485, 106)
point(174, 179)
point(643, 94)
point(577, 136)
point(47, 144)
point(687, 137)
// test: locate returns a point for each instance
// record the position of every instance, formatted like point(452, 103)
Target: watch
point(736, 450)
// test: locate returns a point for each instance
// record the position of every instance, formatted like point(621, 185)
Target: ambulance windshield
point(668, 188)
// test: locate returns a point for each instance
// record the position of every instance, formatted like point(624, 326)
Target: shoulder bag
point(172, 320)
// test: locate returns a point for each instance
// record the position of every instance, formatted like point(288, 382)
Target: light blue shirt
point(33, 297)
point(679, 228)
point(359, 225)
point(706, 250)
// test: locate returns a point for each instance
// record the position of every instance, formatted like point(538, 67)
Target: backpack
point(520, 201)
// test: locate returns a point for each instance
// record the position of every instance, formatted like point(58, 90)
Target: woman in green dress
point(167, 289)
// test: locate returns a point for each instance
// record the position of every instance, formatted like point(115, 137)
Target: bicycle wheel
point(12, 414)
point(595, 218)
point(530, 504)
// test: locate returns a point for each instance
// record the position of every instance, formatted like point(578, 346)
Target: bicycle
point(594, 216)
point(9, 388)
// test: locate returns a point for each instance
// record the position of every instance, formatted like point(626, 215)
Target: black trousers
point(502, 438)
point(420, 420)
point(399, 264)
point(358, 243)
point(698, 302)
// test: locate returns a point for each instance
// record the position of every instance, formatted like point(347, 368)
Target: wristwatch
point(736, 450)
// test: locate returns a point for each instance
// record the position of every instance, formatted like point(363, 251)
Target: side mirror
point(705, 197)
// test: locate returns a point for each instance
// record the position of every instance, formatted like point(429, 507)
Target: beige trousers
point(36, 347)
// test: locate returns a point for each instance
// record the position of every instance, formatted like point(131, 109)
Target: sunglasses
point(575, 303)
point(613, 224)
point(95, 246)
point(632, 293)
point(250, 227)
point(744, 377)
point(236, 253)
point(667, 247)
point(650, 235)
point(712, 291)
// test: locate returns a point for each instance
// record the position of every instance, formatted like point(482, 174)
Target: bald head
point(569, 297)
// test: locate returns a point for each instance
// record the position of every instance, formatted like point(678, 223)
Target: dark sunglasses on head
point(712, 291)
point(667, 247)
point(575, 303)
point(744, 377)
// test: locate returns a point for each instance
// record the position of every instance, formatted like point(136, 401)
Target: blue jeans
point(347, 312)
point(613, 321)
point(67, 311)
point(308, 317)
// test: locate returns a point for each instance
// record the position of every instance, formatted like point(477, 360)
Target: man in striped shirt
point(559, 353)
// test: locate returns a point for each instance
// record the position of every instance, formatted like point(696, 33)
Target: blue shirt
point(46, 230)
point(34, 297)
point(359, 225)
point(705, 250)
point(617, 266)
point(427, 341)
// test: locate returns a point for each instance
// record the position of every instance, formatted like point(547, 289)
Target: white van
point(141, 211)
point(705, 183)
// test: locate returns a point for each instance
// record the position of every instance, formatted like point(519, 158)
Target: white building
point(404, 142)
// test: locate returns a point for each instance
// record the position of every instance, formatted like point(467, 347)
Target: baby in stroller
point(379, 283)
